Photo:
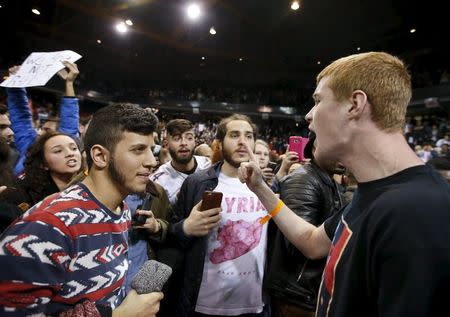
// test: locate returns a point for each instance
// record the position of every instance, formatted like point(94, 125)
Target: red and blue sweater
point(66, 249)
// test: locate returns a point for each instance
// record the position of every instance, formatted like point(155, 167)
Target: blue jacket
point(22, 121)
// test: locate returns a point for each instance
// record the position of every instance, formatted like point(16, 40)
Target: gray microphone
point(151, 277)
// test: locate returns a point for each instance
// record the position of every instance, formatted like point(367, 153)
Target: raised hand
point(73, 71)
point(289, 158)
point(69, 74)
point(250, 173)
point(13, 70)
point(268, 174)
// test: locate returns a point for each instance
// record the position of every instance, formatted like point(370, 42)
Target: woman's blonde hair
point(263, 143)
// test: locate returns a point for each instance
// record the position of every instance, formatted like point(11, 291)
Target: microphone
point(151, 277)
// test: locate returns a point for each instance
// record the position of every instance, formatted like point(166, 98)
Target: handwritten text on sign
point(38, 68)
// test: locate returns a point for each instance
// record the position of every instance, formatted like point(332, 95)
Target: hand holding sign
point(38, 68)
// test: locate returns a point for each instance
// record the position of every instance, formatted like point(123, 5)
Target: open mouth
point(72, 163)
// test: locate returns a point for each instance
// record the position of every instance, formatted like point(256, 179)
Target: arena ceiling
point(257, 42)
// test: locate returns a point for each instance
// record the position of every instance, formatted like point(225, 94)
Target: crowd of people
point(353, 225)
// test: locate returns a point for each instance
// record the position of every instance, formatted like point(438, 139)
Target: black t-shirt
point(391, 250)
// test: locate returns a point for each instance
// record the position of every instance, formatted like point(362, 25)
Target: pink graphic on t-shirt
point(236, 238)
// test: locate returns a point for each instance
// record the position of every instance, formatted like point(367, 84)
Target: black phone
point(211, 200)
point(272, 166)
point(138, 219)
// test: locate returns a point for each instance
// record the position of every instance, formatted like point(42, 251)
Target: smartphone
point(297, 144)
point(211, 200)
point(272, 166)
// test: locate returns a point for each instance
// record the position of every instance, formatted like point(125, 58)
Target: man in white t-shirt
point(181, 143)
point(225, 248)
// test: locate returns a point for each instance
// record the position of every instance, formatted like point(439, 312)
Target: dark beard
point(228, 158)
point(175, 157)
point(116, 175)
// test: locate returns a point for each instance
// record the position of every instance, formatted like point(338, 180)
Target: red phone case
point(297, 144)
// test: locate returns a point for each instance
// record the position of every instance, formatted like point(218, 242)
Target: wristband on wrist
point(273, 213)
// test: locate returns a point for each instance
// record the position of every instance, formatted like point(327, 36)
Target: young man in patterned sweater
point(71, 248)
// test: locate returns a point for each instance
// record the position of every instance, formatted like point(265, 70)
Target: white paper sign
point(38, 68)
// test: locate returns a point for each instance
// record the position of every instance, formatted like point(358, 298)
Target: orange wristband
point(273, 213)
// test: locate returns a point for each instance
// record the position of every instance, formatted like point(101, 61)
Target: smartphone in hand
point(272, 166)
point(211, 200)
point(297, 144)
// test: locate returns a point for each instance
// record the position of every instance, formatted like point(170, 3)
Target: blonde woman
point(262, 155)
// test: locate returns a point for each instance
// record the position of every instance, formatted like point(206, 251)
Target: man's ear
point(358, 103)
point(100, 156)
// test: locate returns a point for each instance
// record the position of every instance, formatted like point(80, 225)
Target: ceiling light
point(35, 11)
point(121, 27)
point(265, 109)
point(295, 5)
point(212, 31)
point(193, 11)
point(412, 31)
point(99, 41)
point(287, 110)
point(203, 58)
point(129, 22)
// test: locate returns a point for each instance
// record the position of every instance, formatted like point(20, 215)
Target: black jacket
point(194, 247)
point(313, 195)
point(26, 195)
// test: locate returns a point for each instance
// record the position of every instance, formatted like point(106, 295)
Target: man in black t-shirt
point(389, 249)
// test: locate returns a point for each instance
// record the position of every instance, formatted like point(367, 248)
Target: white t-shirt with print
point(235, 258)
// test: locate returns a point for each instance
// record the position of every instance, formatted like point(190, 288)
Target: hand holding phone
point(297, 144)
point(211, 200)
point(272, 166)
point(201, 219)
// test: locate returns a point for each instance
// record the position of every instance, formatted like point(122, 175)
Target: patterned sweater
point(66, 249)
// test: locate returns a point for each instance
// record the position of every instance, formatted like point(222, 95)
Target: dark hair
point(109, 123)
point(37, 177)
point(7, 177)
point(217, 154)
point(308, 150)
point(178, 126)
point(440, 163)
point(222, 127)
point(3, 109)
point(52, 119)
point(85, 120)
point(9, 214)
